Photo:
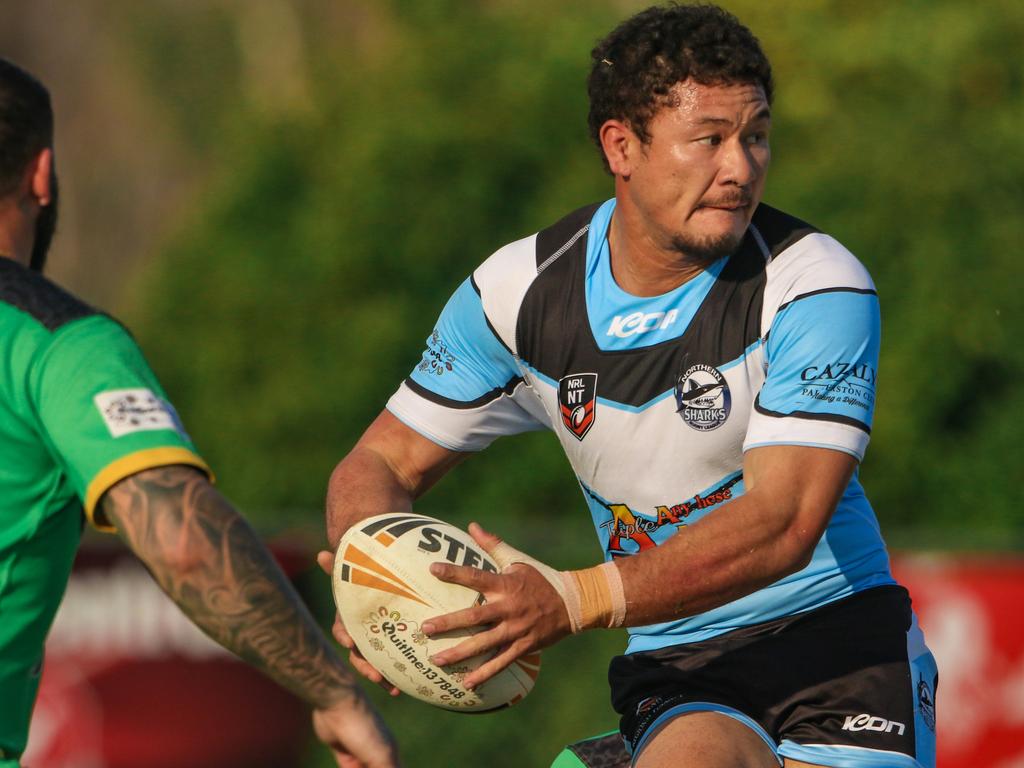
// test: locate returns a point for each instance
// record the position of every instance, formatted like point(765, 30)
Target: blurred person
point(708, 364)
point(85, 426)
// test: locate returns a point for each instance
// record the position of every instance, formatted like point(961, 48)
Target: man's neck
point(16, 236)
point(642, 267)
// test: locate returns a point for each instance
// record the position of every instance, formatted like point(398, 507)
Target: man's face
point(699, 179)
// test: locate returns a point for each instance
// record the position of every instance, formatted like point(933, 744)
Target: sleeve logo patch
point(437, 359)
point(135, 410)
point(852, 384)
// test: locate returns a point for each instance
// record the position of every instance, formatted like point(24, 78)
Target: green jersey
point(80, 410)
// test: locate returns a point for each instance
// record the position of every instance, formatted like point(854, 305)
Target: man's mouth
point(736, 205)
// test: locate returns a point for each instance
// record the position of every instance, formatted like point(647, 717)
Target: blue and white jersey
point(655, 399)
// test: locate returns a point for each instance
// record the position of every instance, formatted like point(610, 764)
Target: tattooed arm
point(208, 559)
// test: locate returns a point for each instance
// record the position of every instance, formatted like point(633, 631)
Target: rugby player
point(85, 428)
point(708, 364)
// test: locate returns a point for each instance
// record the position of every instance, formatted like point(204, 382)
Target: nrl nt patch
point(577, 402)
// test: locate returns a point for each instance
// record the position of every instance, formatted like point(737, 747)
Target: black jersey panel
point(554, 335)
point(779, 230)
point(34, 295)
point(569, 232)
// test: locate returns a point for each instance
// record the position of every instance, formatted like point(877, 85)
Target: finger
point(467, 617)
point(370, 672)
point(325, 560)
point(484, 538)
point(489, 669)
point(341, 634)
point(466, 576)
point(470, 647)
point(358, 661)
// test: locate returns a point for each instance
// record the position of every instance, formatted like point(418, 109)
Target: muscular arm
point(208, 559)
point(388, 469)
point(765, 535)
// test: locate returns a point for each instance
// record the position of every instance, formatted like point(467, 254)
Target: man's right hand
point(355, 735)
point(325, 560)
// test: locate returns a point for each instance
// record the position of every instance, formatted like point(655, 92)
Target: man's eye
point(757, 138)
point(711, 141)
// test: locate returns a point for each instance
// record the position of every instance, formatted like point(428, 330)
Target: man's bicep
point(417, 461)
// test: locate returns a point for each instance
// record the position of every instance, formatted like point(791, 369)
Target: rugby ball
point(384, 591)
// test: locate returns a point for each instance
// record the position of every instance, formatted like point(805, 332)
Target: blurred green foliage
point(301, 290)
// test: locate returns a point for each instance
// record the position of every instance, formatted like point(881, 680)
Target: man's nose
point(739, 165)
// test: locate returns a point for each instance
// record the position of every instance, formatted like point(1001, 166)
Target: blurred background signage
point(130, 683)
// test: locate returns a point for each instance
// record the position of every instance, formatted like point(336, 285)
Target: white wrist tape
point(593, 597)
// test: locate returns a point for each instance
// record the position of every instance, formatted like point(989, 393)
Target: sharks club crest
point(703, 398)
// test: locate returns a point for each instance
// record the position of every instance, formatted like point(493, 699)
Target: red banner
point(129, 681)
point(970, 611)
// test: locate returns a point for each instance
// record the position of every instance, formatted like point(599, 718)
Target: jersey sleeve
point(467, 389)
point(103, 413)
point(821, 354)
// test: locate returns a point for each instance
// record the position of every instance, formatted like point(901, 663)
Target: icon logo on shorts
point(577, 401)
point(703, 398)
point(646, 705)
point(927, 704)
point(865, 722)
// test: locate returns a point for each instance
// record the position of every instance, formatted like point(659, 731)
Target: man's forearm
point(734, 551)
point(389, 468)
point(208, 559)
point(362, 485)
point(746, 544)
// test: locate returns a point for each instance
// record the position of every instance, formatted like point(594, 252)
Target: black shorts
point(850, 684)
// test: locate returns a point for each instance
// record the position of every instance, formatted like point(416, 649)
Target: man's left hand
point(523, 612)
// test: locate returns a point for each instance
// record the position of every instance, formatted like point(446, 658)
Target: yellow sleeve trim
point(127, 466)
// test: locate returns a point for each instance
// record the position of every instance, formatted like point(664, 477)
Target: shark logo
point(703, 399)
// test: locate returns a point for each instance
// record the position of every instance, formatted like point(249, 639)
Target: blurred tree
point(420, 137)
point(432, 133)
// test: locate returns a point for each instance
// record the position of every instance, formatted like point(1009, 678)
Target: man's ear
point(40, 175)
point(621, 147)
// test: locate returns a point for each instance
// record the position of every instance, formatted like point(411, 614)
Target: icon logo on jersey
point(625, 326)
point(924, 698)
point(703, 398)
point(577, 401)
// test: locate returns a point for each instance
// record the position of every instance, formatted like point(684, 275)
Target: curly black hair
point(26, 122)
point(634, 69)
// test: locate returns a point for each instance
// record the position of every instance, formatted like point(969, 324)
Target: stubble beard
point(707, 250)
